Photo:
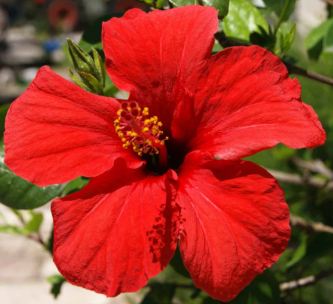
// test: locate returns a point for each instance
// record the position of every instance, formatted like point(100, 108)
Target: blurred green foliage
point(320, 39)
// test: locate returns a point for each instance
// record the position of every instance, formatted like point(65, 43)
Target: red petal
point(116, 233)
point(236, 224)
point(156, 54)
point(246, 103)
point(55, 132)
point(133, 13)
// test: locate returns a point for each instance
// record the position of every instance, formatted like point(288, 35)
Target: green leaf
point(3, 112)
point(183, 2)
point(314, 42)
point(243, 19)
point(87, 47)
point(159, 294)
point(208, 300)
point(264, 289)
point(11, 229)
point(221, 5)
point(328, 39)
point(109, 89)
point(283, 8)
point(319, 245)
point(284, 38)
point(299, 253)
point(154, 3)
point(17, 193)
point(74, 185)
point(178, 265)
point(33, 225)
point(56, 282)
point(283, 153)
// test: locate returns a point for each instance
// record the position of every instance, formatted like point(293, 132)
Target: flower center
point(139, 131)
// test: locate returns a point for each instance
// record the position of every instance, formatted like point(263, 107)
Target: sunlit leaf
point(243, 19)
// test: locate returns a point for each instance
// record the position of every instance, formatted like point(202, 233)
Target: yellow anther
point(145, 111)
point(136, 130)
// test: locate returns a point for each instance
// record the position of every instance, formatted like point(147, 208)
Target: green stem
point(282, 16)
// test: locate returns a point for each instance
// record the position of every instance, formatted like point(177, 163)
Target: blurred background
point(34, 32)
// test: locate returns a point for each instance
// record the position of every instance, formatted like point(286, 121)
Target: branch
point(294, 69)
point(306, 281)
point(38, 238)
point(296, 179)
point(310, 226)
point(316, 166)
point(170, 4)
point(330, 2)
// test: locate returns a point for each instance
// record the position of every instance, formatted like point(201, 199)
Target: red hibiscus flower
point(165, 165)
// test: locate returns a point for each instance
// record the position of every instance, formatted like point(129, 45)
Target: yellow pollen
point(137, 130)
point(145, 111)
